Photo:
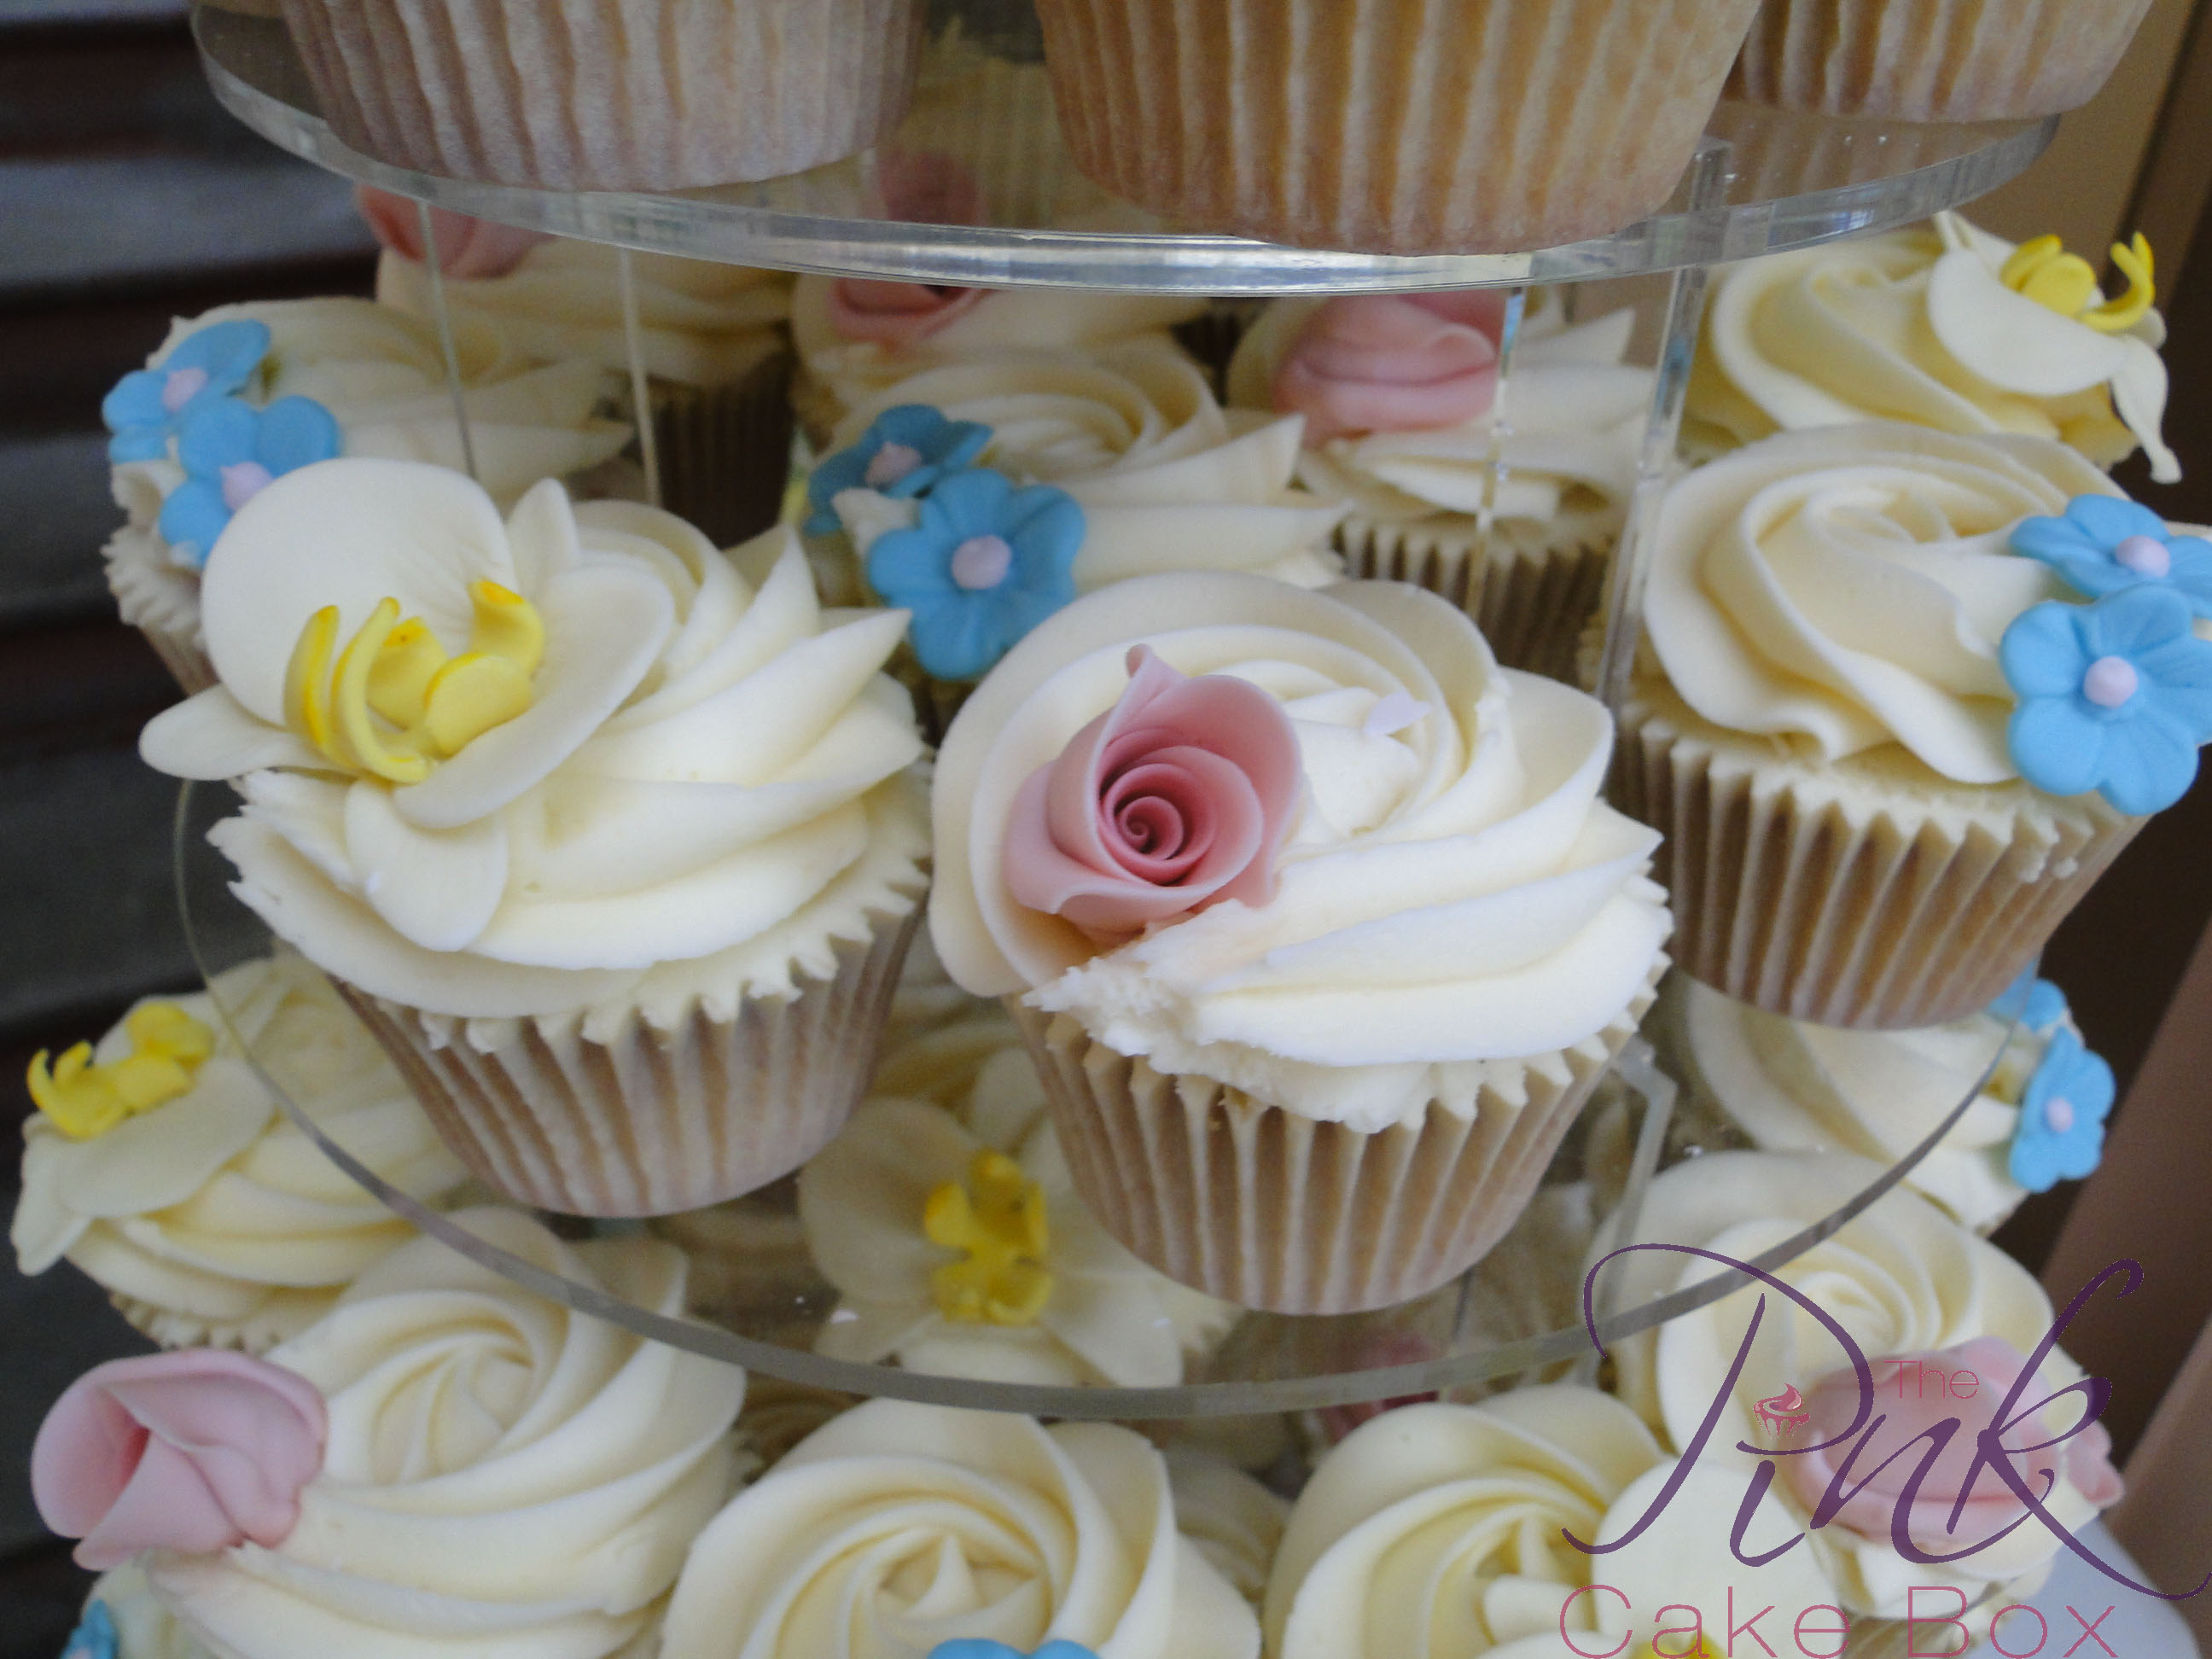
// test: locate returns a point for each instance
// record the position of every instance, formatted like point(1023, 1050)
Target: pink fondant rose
point(1176, 798)
point(192, 1451)
point(467, 248)
point(1913, 1393)
point(896, 313)
point(1394, 362)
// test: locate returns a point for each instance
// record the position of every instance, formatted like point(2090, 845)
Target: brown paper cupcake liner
point(1933, 60)
point(1530, 588)
point(654, 1121)
point(1495, 125)
point(1804, 892)
point(608, 94)
point(1266, 1208)
point(725, 451)
point(1212, 338)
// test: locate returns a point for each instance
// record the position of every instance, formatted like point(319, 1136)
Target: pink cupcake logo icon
point(1783, 1412)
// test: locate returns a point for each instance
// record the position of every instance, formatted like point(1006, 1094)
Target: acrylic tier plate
point(1764, 181)
point(760, 1301)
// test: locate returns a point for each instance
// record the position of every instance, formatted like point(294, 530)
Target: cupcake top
point(1398, 393)
point(1316, 846)
point(160, 1165)
point(659, 775)
point(896, 1526)
point(1854, 587)
point(123, 1620)
point(441, 1456)
point(1944, 326)
point(1236, 1522)
point(553, 300)
point(1090, 468)
point(1923, 1300)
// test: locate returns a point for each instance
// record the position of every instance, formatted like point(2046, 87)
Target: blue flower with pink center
point(231, 451)
point(977, 1647)
point(148, 406)
point(904, 452)
point(2106, 543)
point(2061, 1134)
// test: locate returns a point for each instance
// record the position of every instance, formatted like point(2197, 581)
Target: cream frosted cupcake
point(160, 1166)
point(711, 340)
point(1940, 325)
point(245, 393)
point(1311, 915)
point(443, 1465)
point(624, 888)
point(1401, 398)
point(897, 1527)
point(1887, 759)
point(1923, 1300)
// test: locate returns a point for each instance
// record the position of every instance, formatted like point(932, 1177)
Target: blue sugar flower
point(2106, 543)
point(904, 452)
point(2062, 1117)
point(987, 564)
point(147, 406)
point(977, 1647)
point(94, 1636)
point(2036, 1004)
point(230, 451)
point(2114, 696)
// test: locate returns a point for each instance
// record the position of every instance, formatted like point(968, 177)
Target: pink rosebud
point(1378, 1352)
point(467, 248)
point(1176, 798)
point(895, 315)
point(1394, 362)
point(192, 1451)
point(1914, 1392)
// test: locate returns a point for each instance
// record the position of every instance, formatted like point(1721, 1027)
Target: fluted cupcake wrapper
point(725, 451)
point(1266, 1208)
point(288, 1311)
point(1860, 906)
point(653, 1121)
point(1934, 60)
point(161, 601)
point(1531, 588)
point(1494, 126)
point(608, 94)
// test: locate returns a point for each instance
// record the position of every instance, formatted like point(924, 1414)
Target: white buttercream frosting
point(502, 1478)
point(144, 1629)
point(212, 1217)
point(1453, 896)
point(1236, 1522)
point(1918, 325)
point(1846, 587)
point(1794, 1087)
point(1901, 1278)
point(711, 783)
point(700, 323)
point(897, 1527)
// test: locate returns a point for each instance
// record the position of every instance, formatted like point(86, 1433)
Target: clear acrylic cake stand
point(1762, 181)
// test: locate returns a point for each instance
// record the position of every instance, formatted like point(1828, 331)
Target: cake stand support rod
point(446, 341)
point(1631, 561)
point(1637, 1068)
point(648, 448)
point(1494, 473)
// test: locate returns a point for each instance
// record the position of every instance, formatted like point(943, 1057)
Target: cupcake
point(603, 96)
point(1946, 1322)
point(710, 340)
point(1310, 915)
point(245, 393)
point(1508, 507)
point(1928, 60)
point(898, 1527)
point(159, 1164)
point(624, 888)
point(442, 1462)
point(1479, 127)
point(1792, 1086)
point(1941, 326)
point(1888, 753)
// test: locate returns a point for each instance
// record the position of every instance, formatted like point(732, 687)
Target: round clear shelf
point(1767, 181)
point(758, 1301)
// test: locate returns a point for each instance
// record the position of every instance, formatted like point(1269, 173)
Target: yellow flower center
point(395, 703)
point(2065, 282)
point(83, 1100)
point(997, 1221)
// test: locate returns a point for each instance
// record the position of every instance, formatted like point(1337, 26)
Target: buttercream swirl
point(1847, 588)
point(1918, 325)
point(710, 781)
point(501, 1476)
point(213, 1218)
point(896, 1526)
point(144, 1629)
point(1453, 895)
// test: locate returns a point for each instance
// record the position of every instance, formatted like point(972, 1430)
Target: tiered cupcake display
point(1046, 844)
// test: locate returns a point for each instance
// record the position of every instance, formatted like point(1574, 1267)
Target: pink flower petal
point(1387, 363)
point(895, 315)
point(468, 248)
